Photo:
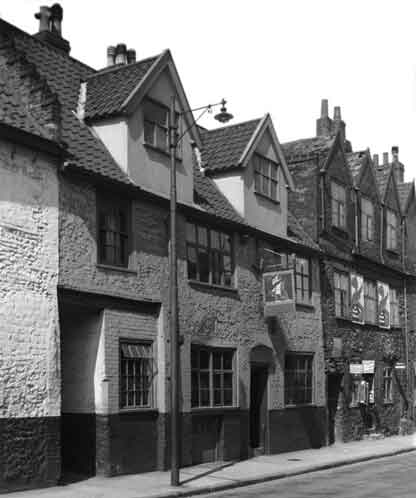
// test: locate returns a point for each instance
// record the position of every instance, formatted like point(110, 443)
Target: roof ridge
point(117, 67)
point(231, 125)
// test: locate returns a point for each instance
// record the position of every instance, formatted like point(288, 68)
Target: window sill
point(342, 232)
point(301, 405)
point(388, 403)
point(160, 151)
point(307, 305)
point(214, 410)
point(264, 196)
point(206, 285)
point(121, 269)
point(394, 253)
point(138, 411)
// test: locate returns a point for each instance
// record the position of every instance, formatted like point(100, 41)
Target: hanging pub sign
point(383, 305)
point(278, 292)
point(357, 298)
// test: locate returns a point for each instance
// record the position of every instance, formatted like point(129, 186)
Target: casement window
point(338, 205)
point(136, 374)
point(298, 379)
point(209, 255)
point(266, 174)
point(370, 302)
point(388, 384)
point(303, 279)
point(270, 258)
point(156, 125)
point(341, 291)
point(391, 230)
point(367, 220)
point(113, 232)
point(212, 377)
point(394, 308)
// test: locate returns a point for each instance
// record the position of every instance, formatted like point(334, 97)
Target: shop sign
point(368, 366)
point(400, 366)
point(356, 368)
point(278, 292)
point(357, 298)
point(383, 302)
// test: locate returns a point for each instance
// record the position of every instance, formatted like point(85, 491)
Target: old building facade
point(87, 337)
point(351, 207)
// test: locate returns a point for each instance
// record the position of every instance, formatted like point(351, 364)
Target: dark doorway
point(258, 408)
point(333, 392)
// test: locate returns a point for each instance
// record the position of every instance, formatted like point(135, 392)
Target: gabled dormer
point(127, 107)
point(247, 164)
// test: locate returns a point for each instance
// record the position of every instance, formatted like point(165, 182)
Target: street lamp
point(223, 116)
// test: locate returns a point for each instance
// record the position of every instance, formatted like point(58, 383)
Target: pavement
point(218, 476)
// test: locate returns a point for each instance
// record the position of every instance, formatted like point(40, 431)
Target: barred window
point(266, 177)
point(209, 255)
point(341, 291)
point(394, 308)
point(370, 302)
point(388, 384)
point(298, 378)
point(212, 377)
point(338, 205)
point(367, 219)
point(391, 233)
point(136, 362)
point(303, 280)
point(113, 232)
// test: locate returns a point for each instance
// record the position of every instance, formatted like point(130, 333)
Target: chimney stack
point(324, 123)
point(131, 56)
point(338, 124)
point(398, 167)
point(50, 27)
point(375, 161)
point(120, 56)
point(385, 159)
point(111, 51)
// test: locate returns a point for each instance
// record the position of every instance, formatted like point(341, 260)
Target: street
point(382, 478)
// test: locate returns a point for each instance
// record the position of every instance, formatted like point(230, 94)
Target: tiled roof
point(211, 200)
point(307, 147)
point(222, 148)
point(404, 190)
point(296, 231)
point(355, 162)
point(382, 178)
point(109, 88)
point(63, 75)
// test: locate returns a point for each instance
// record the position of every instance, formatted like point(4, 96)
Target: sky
point(276, 56)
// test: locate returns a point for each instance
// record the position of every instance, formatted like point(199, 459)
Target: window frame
point(263, 177)
point(388, 386)
point(343, 304)
point(305, 290)
point(309, 375)
point(372, 299)
point(367, 220)
point(391, 230)
point(338, 206)
point(211, 371)
point(215, 254)
point(394, 307)
point(107, 206)
point(151, 388)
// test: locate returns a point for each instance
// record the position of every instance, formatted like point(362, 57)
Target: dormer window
point(266, 177)
point(338, 205)
point(156, 126)
point(367, 219)
point(391, 233)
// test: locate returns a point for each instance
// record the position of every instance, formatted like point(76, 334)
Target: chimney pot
point(385, 158)
point(375, 160)
point(131, 56)
point(44, 16)
point(111, 50)
point(337, 113)
point(395, 152)
point(324, 108)
point(57, 14)
point(121, 54)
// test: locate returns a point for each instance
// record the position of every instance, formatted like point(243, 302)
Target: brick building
point(357, 211)
point(93, 390)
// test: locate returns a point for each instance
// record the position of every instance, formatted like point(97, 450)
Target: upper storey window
point(367, 220)
point(156, 125)
point(338, 205)
point(391, 234)
point(266, 177)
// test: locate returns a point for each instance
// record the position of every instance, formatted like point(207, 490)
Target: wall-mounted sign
point(356, 368)
point(278, 292)
point(357, 298)
point(400, 366)
point(383, 302)
point(368, 366)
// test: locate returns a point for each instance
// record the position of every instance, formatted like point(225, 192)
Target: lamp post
point(223, 116)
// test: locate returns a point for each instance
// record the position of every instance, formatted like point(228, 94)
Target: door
point(334, 393)
point(258, 408)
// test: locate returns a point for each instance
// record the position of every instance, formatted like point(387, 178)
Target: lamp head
point(223, 116)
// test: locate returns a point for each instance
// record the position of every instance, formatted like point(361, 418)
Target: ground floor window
point(136, 361)
point(212, 377)
point(298, 378)
point(388, 384)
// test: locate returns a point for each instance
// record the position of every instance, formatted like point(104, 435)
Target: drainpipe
point(322, 189)
point(381, 231)
point(406, 345)
point(357, 231)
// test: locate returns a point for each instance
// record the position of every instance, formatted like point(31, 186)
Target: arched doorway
point(261, 358)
